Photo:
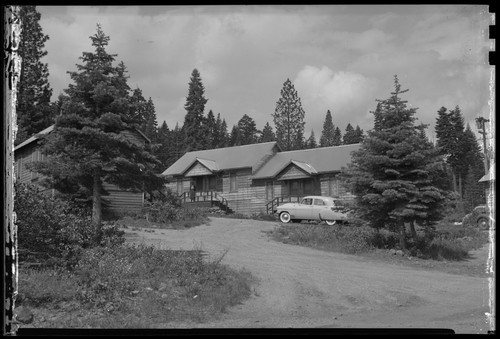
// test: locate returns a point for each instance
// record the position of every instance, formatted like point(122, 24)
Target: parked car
point(480, 217)
point(319, 208)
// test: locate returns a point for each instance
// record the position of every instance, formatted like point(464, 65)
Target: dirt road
point(302, 287)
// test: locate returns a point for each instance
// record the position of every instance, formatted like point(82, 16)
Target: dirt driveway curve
point(302, 287)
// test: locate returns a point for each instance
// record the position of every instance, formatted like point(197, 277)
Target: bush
point(168, 213)
point(50, 229)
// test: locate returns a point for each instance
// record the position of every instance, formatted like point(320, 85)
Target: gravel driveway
point(301, 287)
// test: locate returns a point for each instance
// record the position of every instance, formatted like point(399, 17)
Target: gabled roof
point(223, 158)
point(211, 165)
point(490, 176)
point(34, 137)
point(50, 129)
point(313, 161)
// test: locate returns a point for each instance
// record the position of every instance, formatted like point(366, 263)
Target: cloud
point(345, 94)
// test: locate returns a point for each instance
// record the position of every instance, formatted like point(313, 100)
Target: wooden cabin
point(257, 178)
point(118, 200)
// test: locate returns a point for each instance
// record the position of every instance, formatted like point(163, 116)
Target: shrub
point(52, 228)
point(168, 213)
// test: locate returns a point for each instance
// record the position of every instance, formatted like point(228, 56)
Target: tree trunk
point(412, 228)
point(96, 201)
point(402, 234)
point(454, 178)
point(460, 185)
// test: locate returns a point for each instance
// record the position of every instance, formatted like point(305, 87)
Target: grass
point(134, 286)
point(448, 242)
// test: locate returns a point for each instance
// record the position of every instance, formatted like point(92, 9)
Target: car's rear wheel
point(331, 222)
point(483, 223)
point(285, 217)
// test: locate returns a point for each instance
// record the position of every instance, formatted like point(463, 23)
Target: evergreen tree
point(247, 130)
point(349, 135)
point(472, 157)
point(235, 138)
point(164, 151)
point(337, 137)
point(396, 175)
point(150, 126)
point(224, 134)
point(267, 134)
point(299, 141)
point(311, 142)
point(289, 117)
point(211, 130)
point(87, 146)
point(359, 135)
point(450, 131)
point(328, 133)
point(33, 107)
point(177, 144)
point(194, 133)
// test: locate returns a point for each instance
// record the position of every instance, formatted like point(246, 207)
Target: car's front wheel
point(331, 222)
point(285, 217)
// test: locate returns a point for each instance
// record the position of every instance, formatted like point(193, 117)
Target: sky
point(340, 58)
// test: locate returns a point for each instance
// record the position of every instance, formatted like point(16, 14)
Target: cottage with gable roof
point(257, 178)
point(117, 201)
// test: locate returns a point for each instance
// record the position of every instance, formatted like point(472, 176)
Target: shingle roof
point(319, 160)
point(223, 158)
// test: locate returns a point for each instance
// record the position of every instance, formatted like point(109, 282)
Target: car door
point(319, 206)
point(304, 209)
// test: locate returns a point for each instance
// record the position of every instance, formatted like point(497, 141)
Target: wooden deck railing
point(209, 196)
point(272, 205)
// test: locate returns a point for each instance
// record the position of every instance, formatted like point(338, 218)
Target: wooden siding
point(123, 200)
point(197, 169)
point(292, 172)
point(134, 137)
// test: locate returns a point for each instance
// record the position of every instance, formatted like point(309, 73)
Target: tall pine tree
point(311, 141)
point(247, 130)
point(87, 145)
point(194, 133)
point(267, 134)
point(33, 107)
point(289, 118)
point(327, 137)
point(396, 175)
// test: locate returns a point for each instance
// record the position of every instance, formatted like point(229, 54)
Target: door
point(304, 209)
point(269, 191)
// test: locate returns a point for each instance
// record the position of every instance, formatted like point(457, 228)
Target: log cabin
point(256, 178)
point(117, 201)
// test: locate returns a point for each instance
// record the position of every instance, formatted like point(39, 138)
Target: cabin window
point(333, 187)
point(233, 182)
point(179, 186)
point(34, 157)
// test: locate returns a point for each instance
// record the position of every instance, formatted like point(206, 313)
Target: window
point(307, 201)
point(233, 183)
point(319, 202)
point(179, 186)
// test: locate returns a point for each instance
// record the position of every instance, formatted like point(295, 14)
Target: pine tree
point(267, 134)
point(211, 130)
point(337, 137)
point(235, 138)
point(359, 135)
point(328, 133)
point(311, 141)
point(396, 175)
point(150, 126)
point(247, 130)
point(194, 134)
point(289, 117)
point(87, 146)
point(224, 134)
point(33, 107)
point(349, 135)
point(164, 152)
